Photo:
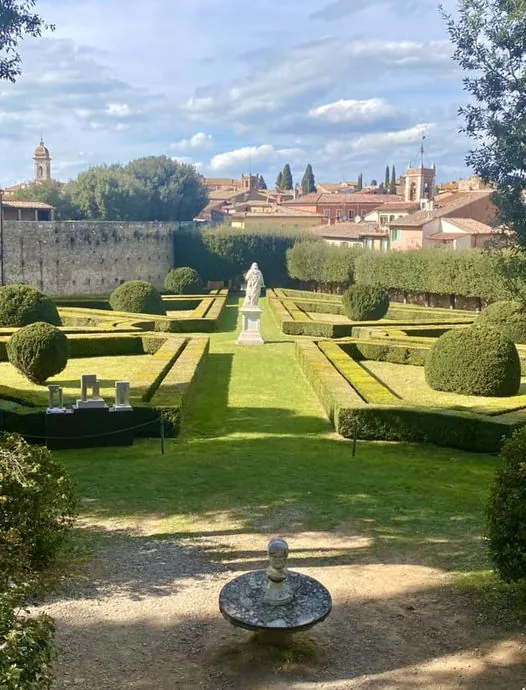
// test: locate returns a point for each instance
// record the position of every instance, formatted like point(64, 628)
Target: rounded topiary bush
point(365, 303)
point(183, 281)
point(21, 305)
point(138, 297)
point(506, 525)
point(474, 361)
point(508, 318)
point(38, 351)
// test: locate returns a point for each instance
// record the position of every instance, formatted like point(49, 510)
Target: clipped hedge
point(474, 361)
point(137, 297)
point(365, 303)
point(465, 272)
point(352, 416)
point(508, 317)
point(394, 353)
point(506, 526)
point(324, 265)
point(183, 281)
point(21, 305)
point(38, 351)
point(225, 253)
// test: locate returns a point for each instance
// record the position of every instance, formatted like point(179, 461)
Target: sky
point(231, 87)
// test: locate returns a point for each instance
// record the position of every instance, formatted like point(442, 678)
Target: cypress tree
point(392, 187)
point(286, 179)
point(387, 182)
point(360, 182)
point(308, 184)
point(262, 183)
point(279, 180)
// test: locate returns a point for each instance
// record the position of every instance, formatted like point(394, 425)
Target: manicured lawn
point(410, 384)
point(258, 454)
point(108, 370)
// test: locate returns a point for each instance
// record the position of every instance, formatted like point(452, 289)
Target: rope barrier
point(104, 433)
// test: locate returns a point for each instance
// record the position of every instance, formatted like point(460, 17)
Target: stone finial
point(278, 590)
point(122, 394)
point(56, 397)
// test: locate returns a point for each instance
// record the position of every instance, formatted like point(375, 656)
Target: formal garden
point(366, 430)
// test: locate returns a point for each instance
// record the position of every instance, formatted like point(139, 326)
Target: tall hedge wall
point(322, 264)
point(466, 272)
point(225, 253)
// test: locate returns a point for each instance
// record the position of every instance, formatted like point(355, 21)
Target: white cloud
point(352, 111)
point(376, 141)
point(118, 110)
point(199, 142)
point(265, 154)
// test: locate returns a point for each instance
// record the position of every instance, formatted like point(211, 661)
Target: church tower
point(42, 163)
point(420, 182)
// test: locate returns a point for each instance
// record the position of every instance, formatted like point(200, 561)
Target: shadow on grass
point(404, 640)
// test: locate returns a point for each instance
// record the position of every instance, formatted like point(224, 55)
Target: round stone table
point(241, 602)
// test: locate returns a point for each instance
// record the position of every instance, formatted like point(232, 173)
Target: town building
point(273, 216)
point(354, 234)
point(337, 208)
point(26, 210)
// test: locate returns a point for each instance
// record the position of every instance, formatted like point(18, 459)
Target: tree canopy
point(490, 40)
point(50, 192)
point(392, 184)
point(286, 178)
point(308, 183)
point(17, 20)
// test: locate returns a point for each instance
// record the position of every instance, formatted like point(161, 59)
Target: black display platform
point(89, 428)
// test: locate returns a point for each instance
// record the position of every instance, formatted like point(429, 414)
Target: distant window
point(383, 219)
point(391, 218)
point(369, 242)
point(326, 213)
point(338, 214)
point(395, 235)
point(384, 244)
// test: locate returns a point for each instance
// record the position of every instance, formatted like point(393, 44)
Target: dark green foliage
point(226, 253)
point(507, 317)
point(21, 305)
point(36, 507)
point(50, 192)
point(392, 184)
point(386, 181)
point(262, 184)
point(360, 182)
point(38, 351)
point(386, 352)
point(286, 179)
point(137, 297)
point(279, 179)
point(16, 21)
point(374, 182)
point(183, 281)
point(489, 40)
point(506, 527)
point(325, 265)
point(154, 188)
point(474, 361)
point(466, 272)
point(26, 645)
point(365, 303)
point(308, 183)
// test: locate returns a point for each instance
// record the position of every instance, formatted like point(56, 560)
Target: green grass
point(108, 370)
point(258, 454)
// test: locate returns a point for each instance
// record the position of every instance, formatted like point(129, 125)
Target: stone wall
point(87, 257)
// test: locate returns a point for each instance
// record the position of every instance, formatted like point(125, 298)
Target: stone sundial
point(275, 601)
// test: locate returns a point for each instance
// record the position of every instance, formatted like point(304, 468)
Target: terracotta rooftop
point(347, 230)
point(471, 226)
point(456, 202)
point(447, 235)
point(399, 206)
point(278, 211)
point(26, 204)
point(355, 197)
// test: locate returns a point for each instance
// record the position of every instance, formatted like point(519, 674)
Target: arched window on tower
point(40, 171)
point(412, 191)
point(427, 193)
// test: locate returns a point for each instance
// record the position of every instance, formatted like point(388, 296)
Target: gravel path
point(146, 616)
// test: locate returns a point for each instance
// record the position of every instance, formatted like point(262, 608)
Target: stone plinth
point(251, 332)
point(241, 601)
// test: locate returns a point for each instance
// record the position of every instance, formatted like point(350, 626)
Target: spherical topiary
point(183, 281)
point(506, 525)
point(38, 351)
point(138, 297)
point(508, 318)
point(365, 303)
point(21, 305)
point(474, 361)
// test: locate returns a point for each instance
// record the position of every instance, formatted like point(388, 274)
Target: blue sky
point(346, 85)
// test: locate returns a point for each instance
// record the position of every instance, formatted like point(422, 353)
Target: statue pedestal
point(251, 333)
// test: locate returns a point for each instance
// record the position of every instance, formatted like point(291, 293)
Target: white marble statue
point(254, 280)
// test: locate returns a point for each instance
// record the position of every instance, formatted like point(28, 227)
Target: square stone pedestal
point(251, 333)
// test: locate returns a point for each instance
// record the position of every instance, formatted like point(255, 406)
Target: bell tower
point(420, 182)
point(42, 163)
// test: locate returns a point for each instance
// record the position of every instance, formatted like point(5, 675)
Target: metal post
point(355, 438)
point(2, 275)
point(162, 434)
